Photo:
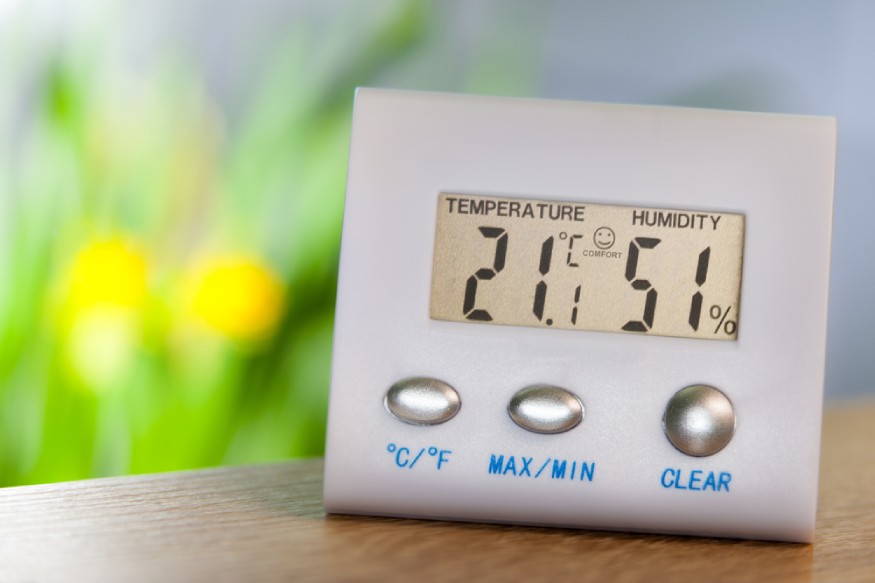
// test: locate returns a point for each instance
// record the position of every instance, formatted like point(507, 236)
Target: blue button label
point(695, 480)
point(520, 466)
point(408, 457)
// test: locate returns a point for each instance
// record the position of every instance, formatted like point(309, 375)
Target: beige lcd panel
point(584, 266)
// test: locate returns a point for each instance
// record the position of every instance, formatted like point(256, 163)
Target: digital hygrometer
point(581, 315)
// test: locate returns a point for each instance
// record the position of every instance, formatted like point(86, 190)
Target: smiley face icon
point(604, 238)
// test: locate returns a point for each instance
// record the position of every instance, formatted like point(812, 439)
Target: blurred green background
point(171, 181)
point(172, 178)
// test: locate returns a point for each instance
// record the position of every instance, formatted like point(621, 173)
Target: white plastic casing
point(407, 147)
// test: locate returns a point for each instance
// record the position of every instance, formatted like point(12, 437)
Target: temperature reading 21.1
point(587, 267)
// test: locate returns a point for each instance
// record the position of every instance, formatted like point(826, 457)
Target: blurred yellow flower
point(239, 297)
point(108, 272)
point(105, 292)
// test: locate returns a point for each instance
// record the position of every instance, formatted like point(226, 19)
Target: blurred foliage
point(169, 272)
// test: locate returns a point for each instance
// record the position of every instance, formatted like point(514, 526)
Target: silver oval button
point(422, 401)
point(545, 409)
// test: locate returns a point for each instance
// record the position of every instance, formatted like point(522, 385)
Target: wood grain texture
point(266, 523)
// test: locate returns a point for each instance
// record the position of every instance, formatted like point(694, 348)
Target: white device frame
point(408, 147)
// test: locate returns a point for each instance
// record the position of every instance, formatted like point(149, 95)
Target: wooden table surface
point(266, 523)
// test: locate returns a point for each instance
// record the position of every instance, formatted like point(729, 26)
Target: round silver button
point(699, 420)
point(422, 401)
point(545, 409)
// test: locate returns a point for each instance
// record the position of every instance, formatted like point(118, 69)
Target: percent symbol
point(718, 313)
